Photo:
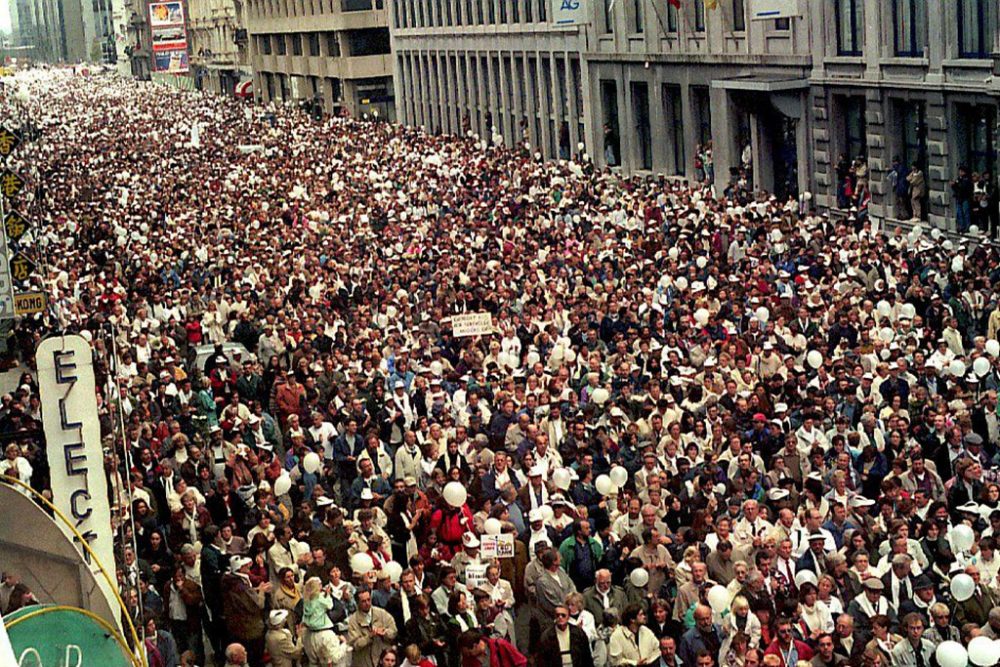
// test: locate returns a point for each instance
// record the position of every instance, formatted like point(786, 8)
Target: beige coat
point(367, 647)
point(285, 651)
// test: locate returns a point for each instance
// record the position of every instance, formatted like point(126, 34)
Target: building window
point(332, 45)
point(913, 119)
point(640, 111)
point(974, 31)
point(639, 15)
point(909, 18)
point(702, 112)
point(265, 44)
point(783, 24)
point(855, 137)
point(977, 126)
point(739, 16)
point(314, 43)
point(279, 43)
point(673, 112)
point(611, 138)
point(850, 27)
point(609, 16)
point(296, 44)
point(699, 15)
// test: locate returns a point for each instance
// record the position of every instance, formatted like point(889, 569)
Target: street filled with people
point(689, 431)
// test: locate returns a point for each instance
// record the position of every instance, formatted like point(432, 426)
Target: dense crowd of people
point(698, 434)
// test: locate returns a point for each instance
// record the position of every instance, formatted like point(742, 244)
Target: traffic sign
point(9, 141)
point(27, 303)
point(21, 267)
point(10, 183)
point(15, 225)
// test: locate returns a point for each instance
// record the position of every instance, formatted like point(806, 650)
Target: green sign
point(44, 635)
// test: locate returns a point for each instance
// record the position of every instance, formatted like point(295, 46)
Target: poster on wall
point(762, 10)
point(168, 34)
point(569, 12)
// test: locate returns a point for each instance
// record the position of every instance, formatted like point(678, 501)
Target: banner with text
point(472, 324)
point(569, 12)
point(168, 33)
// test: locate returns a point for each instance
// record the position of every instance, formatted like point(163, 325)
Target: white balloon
point(283, 484)
point(884, 308)
point(547, 513)
point(718, 598)
point(957, 264)
point(562, 479)
point(981, 366)
point(951, 654)
point(962, 587)
point(492, 526)
point(455, 494)
point(394, 570)
point(311, 463)
point(619, 476)
point(887, 334)
point(681, 283)
point(909, 311)
point(600, 395)
point(673, 253)
point(962, 539)
point(362, 563)
point(639, 577)
point(763, 314)
point(982, 651)
point(957, 368)
point(814, 358)
point(604, 485)
point(701, 316)
point(993, 347)
point(702, 262)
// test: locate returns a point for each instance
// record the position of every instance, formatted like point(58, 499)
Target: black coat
point(549, 654)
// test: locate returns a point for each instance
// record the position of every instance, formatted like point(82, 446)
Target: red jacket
point(502, 654)
point(805, 653)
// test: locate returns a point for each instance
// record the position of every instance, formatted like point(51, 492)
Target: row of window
point(265, 8)
point(670, 18)
point(974, 126)
point(976, 26)
point(539, 100)
point(366, 42)
point(444, 13)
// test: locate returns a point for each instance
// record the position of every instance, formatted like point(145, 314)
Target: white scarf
point(866, 605)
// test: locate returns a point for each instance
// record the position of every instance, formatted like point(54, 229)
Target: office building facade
point(907, 79)
point(332, 53)
point(648, 87)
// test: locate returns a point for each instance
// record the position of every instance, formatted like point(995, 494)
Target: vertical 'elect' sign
point(73, 441)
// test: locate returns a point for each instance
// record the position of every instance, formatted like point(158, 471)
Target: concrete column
point(725, 152)
point(691, 122)
point(659, 129)
point(763, 164)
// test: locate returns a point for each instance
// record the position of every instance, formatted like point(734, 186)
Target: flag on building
point(675, 3)
point(712, 4)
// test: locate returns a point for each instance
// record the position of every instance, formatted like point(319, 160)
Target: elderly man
point(975, 609)
point(603, 595)
point(704, 636)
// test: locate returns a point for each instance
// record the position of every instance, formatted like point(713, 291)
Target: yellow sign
point(10, 183)
point(8, 141)
point(27, 303)
point(15, 225)
point(21, 267)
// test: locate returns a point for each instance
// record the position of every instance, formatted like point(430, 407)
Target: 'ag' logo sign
point(571, 5)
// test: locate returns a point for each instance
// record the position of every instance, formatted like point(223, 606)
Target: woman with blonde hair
point(740, 621)
point(682, 574)
point(323, 646)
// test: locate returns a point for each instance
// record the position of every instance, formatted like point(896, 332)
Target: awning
point(244, 88)
point(762, 83)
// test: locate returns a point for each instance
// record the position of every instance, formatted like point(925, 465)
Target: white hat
point(470, 540)
point(238, 563)
point(323, 501)
point(777, 494)
point(399, 384)
point(537, 470)
point(366, 494)
point(535, 515)
point(861, 501)
point(277, 617)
